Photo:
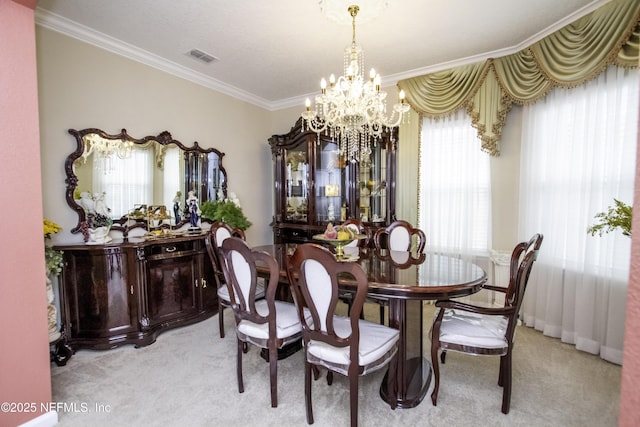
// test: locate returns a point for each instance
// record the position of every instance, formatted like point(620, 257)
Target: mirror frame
point(163, 138)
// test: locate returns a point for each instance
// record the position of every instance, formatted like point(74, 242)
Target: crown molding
point(85, 34)
point(393, 79)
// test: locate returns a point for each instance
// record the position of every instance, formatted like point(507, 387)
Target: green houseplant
point(617, 216)
point(227, 211)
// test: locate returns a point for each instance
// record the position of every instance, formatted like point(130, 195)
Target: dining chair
point(349, 345)
point(353, 249)
point(485, 330)
point(265, 323)
point(398, 236)
point(218, 233)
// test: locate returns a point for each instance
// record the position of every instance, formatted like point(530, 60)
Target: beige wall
point(505, 185)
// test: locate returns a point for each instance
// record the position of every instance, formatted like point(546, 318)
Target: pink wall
point(24, 359)
point(630, 392)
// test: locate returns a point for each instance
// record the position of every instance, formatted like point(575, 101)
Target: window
point(455, 187)
point(578, 154)
point(127, 182)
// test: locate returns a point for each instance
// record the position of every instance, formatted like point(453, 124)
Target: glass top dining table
point(404, 280)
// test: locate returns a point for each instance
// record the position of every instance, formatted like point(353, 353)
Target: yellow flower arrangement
point(50, 228)
point(52, 257)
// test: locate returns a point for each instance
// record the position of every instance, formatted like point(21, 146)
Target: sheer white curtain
point(125, 182)
point(578, 154)
point(455, 187)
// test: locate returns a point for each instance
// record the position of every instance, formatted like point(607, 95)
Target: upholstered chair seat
point(476, 330)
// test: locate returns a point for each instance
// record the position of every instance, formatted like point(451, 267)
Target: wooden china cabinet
point(314, 185)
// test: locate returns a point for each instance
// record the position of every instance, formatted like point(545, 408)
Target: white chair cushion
point(223, 293)
point(473, 330)
point(287, 322)
point(375, 341)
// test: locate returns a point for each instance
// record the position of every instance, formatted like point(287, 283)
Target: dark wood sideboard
point(128, 292)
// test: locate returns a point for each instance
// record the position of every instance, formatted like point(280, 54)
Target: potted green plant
point(226, 211)
point(617, 216)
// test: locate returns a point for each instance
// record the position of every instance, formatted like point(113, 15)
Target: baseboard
point(48, 419)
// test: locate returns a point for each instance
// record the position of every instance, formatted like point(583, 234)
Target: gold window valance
point(569, 57)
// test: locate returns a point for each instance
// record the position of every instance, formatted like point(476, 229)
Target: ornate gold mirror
point(153, 174)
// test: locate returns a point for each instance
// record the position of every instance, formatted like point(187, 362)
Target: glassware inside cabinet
point(297, 185)
point(373, 186)
point(329, 187)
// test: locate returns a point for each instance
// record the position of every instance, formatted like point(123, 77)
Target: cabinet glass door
point(329, 182)
point(373, 186)
point(297, 184)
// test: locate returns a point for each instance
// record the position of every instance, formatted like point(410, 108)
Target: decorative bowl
point(339, 244)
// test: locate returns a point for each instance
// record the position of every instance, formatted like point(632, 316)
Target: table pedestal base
point(417, 381)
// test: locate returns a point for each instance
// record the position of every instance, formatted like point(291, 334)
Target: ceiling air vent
point(201, 56)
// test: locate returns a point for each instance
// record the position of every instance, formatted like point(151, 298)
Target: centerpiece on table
point(338, 237)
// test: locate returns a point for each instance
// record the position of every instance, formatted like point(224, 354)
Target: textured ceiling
point(273, 53)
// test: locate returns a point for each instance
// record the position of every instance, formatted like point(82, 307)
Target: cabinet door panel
point(100, 298)
point(208, 289)
point(296, 184)
point(329, 182)
point(170, 288)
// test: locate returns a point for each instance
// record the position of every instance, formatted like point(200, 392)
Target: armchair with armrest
point(485, 330)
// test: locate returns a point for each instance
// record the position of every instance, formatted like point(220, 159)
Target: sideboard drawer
point(172, 248)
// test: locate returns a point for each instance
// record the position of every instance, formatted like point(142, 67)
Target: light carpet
point(188, 378)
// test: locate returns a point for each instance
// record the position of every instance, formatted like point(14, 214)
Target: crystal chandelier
point(353, 110)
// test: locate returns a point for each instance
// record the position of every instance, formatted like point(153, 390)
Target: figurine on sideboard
point(176, 206)
point(194, 209)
